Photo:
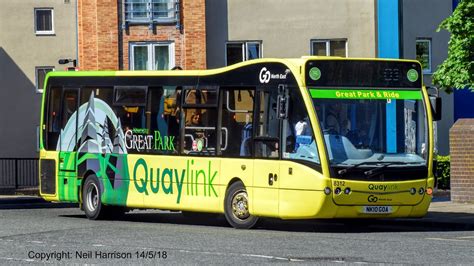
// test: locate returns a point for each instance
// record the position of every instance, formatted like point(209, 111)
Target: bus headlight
point(327, 191)
point(413, 191)
point(337, 191)
point(421, 191)
point(347, 190)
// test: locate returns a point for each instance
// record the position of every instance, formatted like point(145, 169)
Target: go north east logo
point(171, 181)
point(265, 75)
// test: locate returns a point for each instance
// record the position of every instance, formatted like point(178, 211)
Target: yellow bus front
point(373, 135)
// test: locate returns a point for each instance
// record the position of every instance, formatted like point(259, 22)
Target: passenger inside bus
point(335, 121)
point(300, 141)
point(195, 122)
point(305, 144)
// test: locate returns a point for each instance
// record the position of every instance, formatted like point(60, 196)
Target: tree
point(457, 71)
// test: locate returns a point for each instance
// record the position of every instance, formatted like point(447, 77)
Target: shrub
point(443, 171)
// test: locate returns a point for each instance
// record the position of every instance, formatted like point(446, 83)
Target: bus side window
point(200, 119)
point(52, 119)
point(237, 117)
point(266, 141)
point(162, 118)
point(297, 132)
point(69, 107)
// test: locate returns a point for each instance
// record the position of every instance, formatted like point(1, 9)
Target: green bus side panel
point(112, 172)
point(68, 182)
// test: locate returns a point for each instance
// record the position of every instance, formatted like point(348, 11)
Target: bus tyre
point(91, 202)
point(236, 207)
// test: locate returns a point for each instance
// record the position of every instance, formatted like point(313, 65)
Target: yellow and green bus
point(304, 138)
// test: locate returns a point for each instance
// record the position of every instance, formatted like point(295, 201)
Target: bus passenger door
point(266, 166)
point(67, 174)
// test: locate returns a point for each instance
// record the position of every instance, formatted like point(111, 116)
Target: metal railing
point(151, 11)
point(18, 173)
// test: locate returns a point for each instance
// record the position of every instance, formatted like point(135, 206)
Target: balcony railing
point(151, 11)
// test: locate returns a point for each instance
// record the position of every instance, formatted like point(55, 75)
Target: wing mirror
point(435, 103)
point(282, 102)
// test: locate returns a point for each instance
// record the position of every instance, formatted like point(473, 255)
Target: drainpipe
point(120, 28)
point(78, 63)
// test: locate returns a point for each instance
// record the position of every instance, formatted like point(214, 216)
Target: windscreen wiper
point(348, 169)
point(376, 170)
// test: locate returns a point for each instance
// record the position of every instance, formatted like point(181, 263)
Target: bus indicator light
point(429, 191)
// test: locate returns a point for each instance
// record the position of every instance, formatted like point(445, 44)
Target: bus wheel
point(91, 199)
point(236, 207)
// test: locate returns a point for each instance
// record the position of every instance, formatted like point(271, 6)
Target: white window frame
point(172, 6)
point(328, 45)
point(40, 90)
point(260, 50)
point(428, 40)
point(44, 32)
point(244, 45)
point(151, 53)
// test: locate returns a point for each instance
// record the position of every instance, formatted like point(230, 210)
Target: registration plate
point(377, 209)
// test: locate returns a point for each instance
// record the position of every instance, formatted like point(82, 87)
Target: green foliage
point(443, 171)
point(457, 71)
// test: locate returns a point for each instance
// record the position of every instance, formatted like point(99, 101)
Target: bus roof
point(293, 63)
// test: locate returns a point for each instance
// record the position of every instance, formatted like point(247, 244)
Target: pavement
point(29, 202)
point(450, 213)
point(442, 211)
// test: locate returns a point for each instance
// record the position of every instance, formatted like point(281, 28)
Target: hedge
point(443, 171)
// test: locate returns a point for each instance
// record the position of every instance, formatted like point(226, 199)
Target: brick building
point(141, 34)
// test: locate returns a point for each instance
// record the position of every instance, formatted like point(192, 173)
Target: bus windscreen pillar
point(391, 117)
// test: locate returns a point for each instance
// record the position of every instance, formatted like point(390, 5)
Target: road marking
point(258, 256)
point(98, 245)
point(465, 237)
point(37, 242)
point(446, 239)
point(296, 260)
point(237, 254)
point(2, 258)
point(270, 257)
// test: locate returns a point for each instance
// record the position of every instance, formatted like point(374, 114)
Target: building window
point(44, 21)
point(336, 47)
point(243, 51)
point(423, 54)
point(151, 56)
point(146, 11)
point(40, 76)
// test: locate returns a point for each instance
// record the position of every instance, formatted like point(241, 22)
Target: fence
point(18, 173)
